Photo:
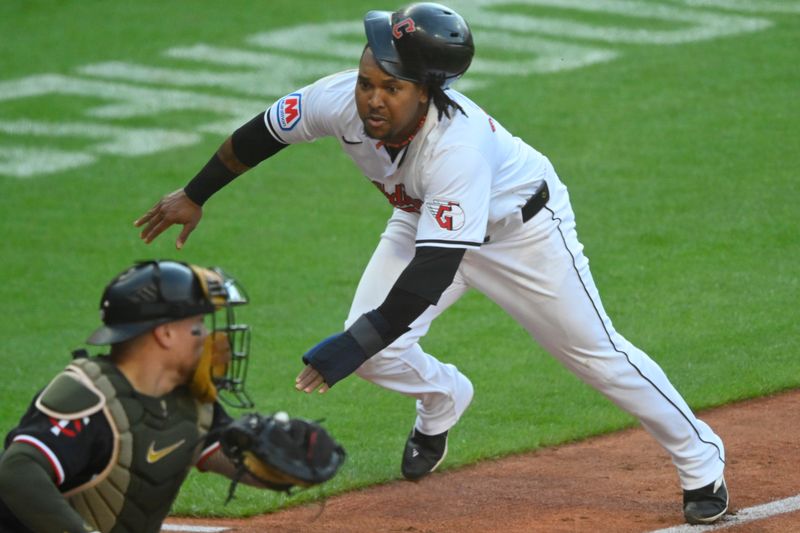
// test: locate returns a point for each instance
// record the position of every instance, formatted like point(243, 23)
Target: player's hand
point(173, 208)
point(309, 379)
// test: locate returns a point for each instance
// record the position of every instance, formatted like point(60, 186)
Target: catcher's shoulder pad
point(70, 395)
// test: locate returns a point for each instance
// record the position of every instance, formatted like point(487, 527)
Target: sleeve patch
point(289, 111)
point(448, 214)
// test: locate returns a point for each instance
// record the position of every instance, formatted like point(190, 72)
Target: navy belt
point(534, 204)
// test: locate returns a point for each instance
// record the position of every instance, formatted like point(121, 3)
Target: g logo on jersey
point(447, 214)
point(289, 111)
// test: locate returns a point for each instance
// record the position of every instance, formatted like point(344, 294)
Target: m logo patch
point(289, 111)
point(447, 214)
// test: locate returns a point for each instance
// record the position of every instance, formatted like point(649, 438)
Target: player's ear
point(164, 334)
point(424, 93)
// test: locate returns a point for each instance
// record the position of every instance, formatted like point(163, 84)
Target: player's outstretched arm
point(246, 148)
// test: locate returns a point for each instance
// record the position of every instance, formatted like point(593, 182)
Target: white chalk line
point(742, 516)
point(192, 529)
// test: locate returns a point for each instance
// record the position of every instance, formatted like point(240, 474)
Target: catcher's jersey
point(79, 449)
point(459, 174)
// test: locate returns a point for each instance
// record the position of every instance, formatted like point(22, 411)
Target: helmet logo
point(404, 27)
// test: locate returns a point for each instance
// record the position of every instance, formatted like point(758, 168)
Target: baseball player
point(474, 207)
point(107, 444)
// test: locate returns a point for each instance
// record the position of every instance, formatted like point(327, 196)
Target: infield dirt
point(618, 483)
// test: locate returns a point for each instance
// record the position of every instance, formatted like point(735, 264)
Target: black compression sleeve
point(211, 178)
point(430, 272)
point(252, 143)
point(399, 309)
point(421, 284)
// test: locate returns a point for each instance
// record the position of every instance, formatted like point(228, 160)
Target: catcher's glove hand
point(281, 452)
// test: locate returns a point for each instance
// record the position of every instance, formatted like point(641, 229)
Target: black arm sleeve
point(211, 178)
point(253, 143)
point(430, 272)
point(421, 284)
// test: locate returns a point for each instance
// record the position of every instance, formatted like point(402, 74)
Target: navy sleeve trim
point(469, 244)
point(271, 129)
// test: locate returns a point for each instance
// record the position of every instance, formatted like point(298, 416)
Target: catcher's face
point(390, 108)
point(188, 346)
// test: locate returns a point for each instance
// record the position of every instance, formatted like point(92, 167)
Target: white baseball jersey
point(460, 174)
point(458, 179)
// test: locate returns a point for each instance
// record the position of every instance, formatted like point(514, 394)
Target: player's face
point(193, 333)
point(390, 108)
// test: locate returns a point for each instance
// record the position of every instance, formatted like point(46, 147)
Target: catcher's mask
point(425, 43)
point(151, 293)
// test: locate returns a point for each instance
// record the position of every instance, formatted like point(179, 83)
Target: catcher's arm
point(28, 489)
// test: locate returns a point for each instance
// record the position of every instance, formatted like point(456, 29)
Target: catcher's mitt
point(280, 452)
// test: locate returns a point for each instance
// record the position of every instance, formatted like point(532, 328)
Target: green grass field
point(681, 150)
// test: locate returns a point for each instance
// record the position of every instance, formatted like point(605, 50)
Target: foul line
point(192, 529)
point(750, 514)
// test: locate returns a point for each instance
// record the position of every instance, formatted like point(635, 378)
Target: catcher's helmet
point(146, 295)
point(425, 43)
point(151, 293)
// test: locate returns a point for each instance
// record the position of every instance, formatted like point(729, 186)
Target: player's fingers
point(308, 370)
point(156, 230)
point(146, 217)
point(187, 229)
point(308, 380)
point(302, 379)
point(151, 223)
point(316, 382)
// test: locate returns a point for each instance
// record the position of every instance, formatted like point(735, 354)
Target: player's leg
point(442, 392)
point(538, 274)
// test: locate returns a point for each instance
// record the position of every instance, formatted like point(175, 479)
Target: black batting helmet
point(425, 43)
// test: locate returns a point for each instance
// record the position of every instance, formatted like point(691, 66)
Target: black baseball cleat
point(706, 505)
point(423, 453)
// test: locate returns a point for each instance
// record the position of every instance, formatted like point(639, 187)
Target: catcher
point(107, 444)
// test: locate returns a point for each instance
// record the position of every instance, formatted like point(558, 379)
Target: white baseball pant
point(537, 272)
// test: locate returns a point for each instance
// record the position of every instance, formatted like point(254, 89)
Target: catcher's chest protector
point(156, 442)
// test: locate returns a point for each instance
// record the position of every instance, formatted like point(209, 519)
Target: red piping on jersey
point(208, 452)
point(55, 464)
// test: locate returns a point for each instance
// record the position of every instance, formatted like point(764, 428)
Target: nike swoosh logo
point(351, 142)
point(154, 455)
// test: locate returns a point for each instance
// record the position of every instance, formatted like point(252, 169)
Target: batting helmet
point(425, 43)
